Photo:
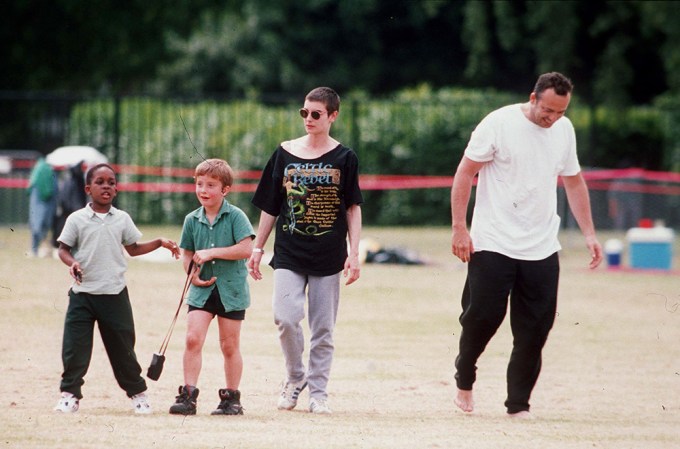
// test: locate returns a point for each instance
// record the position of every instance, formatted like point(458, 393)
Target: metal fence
point(391, 138)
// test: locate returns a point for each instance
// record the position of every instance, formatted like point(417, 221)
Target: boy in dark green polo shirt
point(218, 238)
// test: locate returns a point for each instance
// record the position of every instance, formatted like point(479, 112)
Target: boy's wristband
point(258, 250)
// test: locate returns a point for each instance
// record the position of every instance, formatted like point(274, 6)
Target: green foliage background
point(419, 131)
point(617, 52)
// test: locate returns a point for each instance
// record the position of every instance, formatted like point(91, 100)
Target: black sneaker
point(230, 403)
point(185, 403)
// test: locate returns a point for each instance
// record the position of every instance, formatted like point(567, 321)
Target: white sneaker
point(319, 406)
point(290, 393)
point(67, 403)
point(140, 402)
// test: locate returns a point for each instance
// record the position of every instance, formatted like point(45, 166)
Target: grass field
point(610, 379)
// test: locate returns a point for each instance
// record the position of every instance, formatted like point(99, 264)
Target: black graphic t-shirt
point(310, 197)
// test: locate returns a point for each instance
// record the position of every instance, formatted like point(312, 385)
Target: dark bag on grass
point(156, 367)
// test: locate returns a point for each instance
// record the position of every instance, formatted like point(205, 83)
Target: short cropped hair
point(90, 172)
point(553, 80)
point(327, 96)
point(216, 168)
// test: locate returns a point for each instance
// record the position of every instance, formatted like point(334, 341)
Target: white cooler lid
point(656, 234)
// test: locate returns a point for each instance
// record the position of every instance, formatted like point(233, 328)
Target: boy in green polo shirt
point(217, 237)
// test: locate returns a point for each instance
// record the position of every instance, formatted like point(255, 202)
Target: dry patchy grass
point(610, 379)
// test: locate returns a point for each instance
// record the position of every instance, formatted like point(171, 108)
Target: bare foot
point(524, 414)
point(464, 400)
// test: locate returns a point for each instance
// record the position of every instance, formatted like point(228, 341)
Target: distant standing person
point(512, 247)
point(218, 238)
point(309, 191)
point(91, 244)
point(71, 197)
point(42, 189)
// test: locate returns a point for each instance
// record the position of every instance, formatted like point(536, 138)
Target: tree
point(660, 20)
point(87, 45)
point(290, 47)
point(617, 52)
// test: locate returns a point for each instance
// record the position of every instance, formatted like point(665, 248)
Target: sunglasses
point(316, 115)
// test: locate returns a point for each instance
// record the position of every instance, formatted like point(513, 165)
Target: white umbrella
point(71, 155)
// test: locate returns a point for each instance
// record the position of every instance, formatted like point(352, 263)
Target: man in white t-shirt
point(511, 249)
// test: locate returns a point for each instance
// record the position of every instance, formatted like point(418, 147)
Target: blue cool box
point(650, 248)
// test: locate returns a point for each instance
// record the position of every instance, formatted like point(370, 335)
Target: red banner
point(643, 181)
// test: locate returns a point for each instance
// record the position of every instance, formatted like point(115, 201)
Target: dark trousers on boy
point(113, 315)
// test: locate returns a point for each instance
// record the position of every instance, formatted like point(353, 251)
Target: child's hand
point(76, 273)
point(172, 246)
point(197, 281)
point(202, 256)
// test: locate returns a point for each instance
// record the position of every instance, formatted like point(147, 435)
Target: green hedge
point(418, 132)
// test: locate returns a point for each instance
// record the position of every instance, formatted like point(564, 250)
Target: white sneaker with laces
point(290, 393)
point(140, 402)
point(319, 406)
point(67, 403)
